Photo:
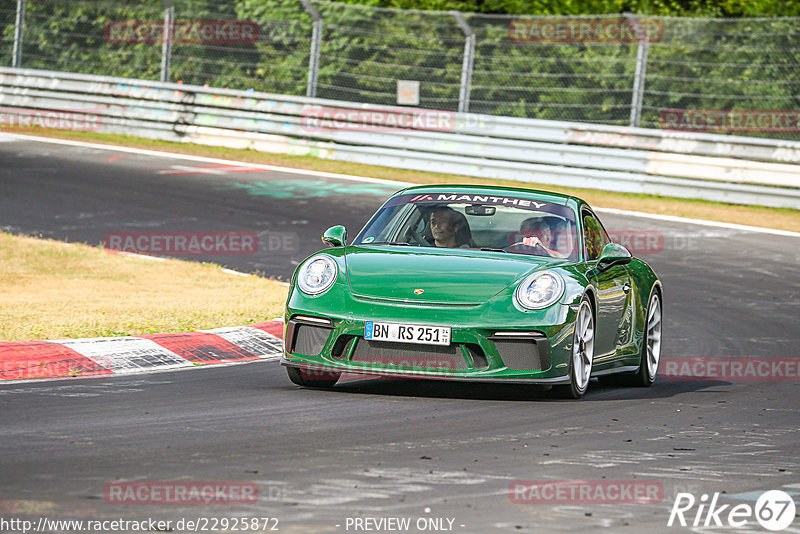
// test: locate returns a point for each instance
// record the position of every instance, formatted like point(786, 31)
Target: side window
point(594, 236)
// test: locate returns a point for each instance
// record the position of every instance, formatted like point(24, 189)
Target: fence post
point(466, 65)
point(166, 45)
point(639, 74)
point(316, 39)
point(16, 57)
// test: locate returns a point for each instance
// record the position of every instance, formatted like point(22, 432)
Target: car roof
point(533, 194)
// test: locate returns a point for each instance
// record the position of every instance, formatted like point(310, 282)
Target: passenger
point(540, 235)
point(561, 239)
point(449, 228)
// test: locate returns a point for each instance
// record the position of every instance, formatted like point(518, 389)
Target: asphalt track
point(84, 194)
point(390, 448)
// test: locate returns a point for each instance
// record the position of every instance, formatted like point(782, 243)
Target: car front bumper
point(485, 346)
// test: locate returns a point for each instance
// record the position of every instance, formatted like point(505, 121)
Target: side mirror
point(335, 236)
point(613, 254)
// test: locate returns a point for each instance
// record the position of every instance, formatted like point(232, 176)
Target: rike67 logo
point(774, 510)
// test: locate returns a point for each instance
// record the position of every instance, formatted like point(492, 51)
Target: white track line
point(189, 157)
point(157, 153)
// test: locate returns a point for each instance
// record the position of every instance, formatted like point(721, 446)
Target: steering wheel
point(417, 238)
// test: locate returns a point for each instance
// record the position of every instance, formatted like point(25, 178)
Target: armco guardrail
point(713, 167)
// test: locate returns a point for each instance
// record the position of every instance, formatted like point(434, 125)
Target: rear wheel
point(312, 379)
point(580, 367)
point(650, 354)
point(651, 344)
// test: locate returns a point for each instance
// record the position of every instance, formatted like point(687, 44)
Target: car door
point(613, 292)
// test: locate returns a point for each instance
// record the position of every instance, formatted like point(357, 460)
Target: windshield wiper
point(398, 243)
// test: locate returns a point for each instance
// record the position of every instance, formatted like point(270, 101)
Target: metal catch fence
point(739, 76)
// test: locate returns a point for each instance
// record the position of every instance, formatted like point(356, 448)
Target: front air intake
point(523, 351)
point(307, 336)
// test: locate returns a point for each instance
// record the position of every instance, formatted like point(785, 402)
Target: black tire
point(312, 379)
point(578, 385)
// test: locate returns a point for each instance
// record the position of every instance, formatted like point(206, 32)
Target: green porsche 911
point(475, 283)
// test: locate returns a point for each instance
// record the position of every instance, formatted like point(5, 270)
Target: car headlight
point(540, 290)
point(317, 275)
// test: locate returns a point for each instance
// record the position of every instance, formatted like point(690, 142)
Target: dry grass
point(782, 219)
point(54, 290)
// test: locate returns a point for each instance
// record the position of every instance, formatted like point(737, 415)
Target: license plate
point(407, 333)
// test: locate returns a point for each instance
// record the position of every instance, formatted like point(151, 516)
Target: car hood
point(449, 276)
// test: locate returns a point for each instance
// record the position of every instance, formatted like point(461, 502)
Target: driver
point(540, 235)
point(446, 226)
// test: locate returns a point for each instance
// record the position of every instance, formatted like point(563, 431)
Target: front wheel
point(580, 367)
point(312, 379)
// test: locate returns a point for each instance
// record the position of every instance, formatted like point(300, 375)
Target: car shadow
point(515, 392)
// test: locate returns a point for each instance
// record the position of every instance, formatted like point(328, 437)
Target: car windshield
point(498, 223)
